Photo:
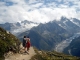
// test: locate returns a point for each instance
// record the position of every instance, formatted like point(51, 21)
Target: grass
point(52, 55)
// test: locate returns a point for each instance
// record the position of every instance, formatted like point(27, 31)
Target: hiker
point(24, 42)
point(28, 44)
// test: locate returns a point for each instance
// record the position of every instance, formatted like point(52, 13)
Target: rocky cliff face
point(8, 42)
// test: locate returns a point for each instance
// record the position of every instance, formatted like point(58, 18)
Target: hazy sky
point(38, 10)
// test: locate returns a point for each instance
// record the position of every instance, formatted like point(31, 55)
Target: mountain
point(18, 27)
point(72, 25)
point(8, 42)
point(76, 21)
point(74, 47)
point(46, 36)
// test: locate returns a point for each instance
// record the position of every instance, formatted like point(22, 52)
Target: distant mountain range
point(45, 36)
point(18, 27)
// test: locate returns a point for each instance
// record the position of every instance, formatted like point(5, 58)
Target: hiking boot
point(28, 53)
point(25, 52)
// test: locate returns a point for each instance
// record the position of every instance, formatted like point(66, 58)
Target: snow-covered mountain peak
point(24, 26)
point(28, 22)
point(69, 23)
point(19, 27)
point(75, 21)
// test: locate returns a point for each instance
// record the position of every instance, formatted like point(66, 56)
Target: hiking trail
point(22, 56)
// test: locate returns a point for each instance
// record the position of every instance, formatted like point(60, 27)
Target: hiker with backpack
point(24, 42)
point(28, 44)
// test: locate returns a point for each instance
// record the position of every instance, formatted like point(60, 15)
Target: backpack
point(24, 42)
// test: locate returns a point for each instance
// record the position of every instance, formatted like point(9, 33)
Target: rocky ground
point(22, 56)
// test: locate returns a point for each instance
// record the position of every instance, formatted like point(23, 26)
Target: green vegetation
point(52, 55)
point(8, 42)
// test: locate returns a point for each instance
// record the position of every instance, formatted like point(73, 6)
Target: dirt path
point(23, 56)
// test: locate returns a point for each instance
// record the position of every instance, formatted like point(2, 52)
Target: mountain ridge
point(16, 28)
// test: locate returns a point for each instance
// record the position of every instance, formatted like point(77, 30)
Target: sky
point(39, 11)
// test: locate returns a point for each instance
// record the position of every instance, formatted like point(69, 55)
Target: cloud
point(37, 10)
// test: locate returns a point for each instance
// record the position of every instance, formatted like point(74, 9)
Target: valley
point(60, 47)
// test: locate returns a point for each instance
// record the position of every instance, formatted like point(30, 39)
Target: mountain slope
point(8, 42)
point(71, 25)
point(46, 36)
point(52, 55)
point(76, 21)
point(74, 47)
